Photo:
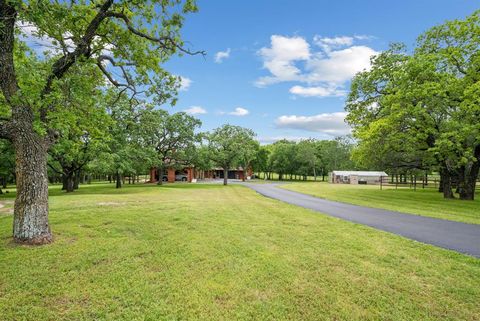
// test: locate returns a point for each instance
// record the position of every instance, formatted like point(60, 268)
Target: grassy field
point(208, 252)
point(426, 202)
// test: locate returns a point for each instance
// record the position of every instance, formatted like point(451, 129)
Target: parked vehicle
point(181, 177)
point(178, 177)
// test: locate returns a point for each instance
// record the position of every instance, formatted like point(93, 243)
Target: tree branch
point(5, 129)
point(63, 64)
point(130, 84)
point(8, 78)
point(164, 42)
point(54, 169)
point(109, 76)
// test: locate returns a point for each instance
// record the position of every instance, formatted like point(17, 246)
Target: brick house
point(190, 173)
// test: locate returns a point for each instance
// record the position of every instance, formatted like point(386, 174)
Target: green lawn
point(426, 202)
point(208, 252)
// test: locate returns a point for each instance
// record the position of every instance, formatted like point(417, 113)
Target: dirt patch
point(4, 209)
point(111, 203)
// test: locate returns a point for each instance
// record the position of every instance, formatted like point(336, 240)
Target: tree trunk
point(446, 180)
point(468, 178)
point(70, 183)
point(118, 180)
point(440, 183)
point(30, 216)
point(64, 182)
point(467, 191)
point(76, 179)
point(225, 176)
point(160, 175)
point(30, 220)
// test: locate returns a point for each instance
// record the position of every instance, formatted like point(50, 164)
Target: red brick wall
point(171, 175)
point(153, 172)
point(190, 174)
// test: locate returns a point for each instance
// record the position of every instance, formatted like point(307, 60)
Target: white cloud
point(280, 59)
point(328, 43)
point(326, 71)
point(195, 110)
point(328, 123)
point(222, 55)
point(184, 83)
point(31, 35)
point(339, 66)
point(239, 111)
point(41, 43)
point(317, 91)
point(273, 139)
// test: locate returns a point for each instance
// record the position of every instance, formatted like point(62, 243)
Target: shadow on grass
point(109, 189)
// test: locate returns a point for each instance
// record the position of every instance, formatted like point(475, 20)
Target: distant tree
point(307, 158)
point(248, 153)
point(200, 158)
point(283, 158)
point(81, 125)
point(172, 137)
point(260, 162)
point(126, 153)
point(227, 145)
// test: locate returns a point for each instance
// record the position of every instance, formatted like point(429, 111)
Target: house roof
point(359, 173)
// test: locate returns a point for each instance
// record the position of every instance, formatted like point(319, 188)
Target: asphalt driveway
point(460, 237)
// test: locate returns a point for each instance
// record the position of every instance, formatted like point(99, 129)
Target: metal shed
point(358, 177)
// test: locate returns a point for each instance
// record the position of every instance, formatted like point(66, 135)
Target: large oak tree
point(132, 37)
point(420, 110)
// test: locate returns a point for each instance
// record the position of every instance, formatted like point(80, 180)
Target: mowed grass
point(426, 202)
point(208, 252)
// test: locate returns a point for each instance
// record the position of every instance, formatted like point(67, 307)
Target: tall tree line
point(421, 111)
point(305, 158)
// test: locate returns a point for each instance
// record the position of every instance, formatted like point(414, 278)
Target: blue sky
point(282, 68)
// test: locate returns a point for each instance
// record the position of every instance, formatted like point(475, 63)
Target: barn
point(358, 177)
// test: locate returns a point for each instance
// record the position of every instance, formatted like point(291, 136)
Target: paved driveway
point(460, 237)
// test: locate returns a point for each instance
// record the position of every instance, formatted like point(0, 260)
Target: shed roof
point(359, 173)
